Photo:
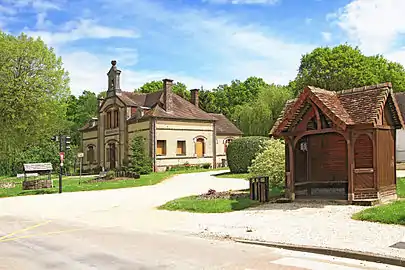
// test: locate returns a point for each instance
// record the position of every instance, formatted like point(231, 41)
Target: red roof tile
point(355, 106)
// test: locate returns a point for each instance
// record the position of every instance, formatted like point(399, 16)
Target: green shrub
point(110, 174)
point(139, 161)
point(270, 162)
point(206, 165)
point(242, 151)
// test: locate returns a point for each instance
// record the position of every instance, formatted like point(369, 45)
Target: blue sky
point(201, 42)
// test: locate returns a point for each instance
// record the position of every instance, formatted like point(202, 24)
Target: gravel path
point(304, 223)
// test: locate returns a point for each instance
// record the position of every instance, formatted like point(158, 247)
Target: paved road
point(53, 244)
point(118, 229)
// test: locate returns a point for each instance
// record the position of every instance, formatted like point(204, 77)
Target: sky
point(201, 42)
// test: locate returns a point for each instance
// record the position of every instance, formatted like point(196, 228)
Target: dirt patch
point(228, 195)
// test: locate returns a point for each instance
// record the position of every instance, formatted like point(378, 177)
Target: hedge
point(242, 151)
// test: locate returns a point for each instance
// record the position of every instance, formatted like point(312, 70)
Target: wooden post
point(350, 163)
point(292, 169)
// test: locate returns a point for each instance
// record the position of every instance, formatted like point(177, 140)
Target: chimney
point(167, 94)
point(194, 96)
point(113, 79)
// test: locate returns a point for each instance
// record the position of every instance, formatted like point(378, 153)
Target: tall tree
point(344, 67)
point(33, 90)
point(79, 111)
point(257, 117)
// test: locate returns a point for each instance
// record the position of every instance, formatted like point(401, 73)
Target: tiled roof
point(181, 109)
point(355, 106)
point(224, 126)
point(400, 97)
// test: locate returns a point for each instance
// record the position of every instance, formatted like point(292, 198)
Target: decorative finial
point(113, 62)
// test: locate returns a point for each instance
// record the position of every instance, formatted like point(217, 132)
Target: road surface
point(56, 244)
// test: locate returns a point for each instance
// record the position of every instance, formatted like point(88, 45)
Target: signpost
point(80, 156)
point(64, 143)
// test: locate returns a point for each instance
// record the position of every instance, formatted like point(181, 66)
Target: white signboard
point(80, 155)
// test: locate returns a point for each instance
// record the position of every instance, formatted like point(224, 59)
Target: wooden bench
point(321, 185)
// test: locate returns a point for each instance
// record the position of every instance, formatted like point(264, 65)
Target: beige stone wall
point(173, 131)
point(141, 129)
point(221, 146)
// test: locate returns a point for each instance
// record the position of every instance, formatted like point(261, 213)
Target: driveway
point(130, 207)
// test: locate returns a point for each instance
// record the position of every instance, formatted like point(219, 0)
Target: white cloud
point(75, 30)
point(372, 24)
point(326, 36)
point(92, 75)
point(243, 2)
point(231, 51)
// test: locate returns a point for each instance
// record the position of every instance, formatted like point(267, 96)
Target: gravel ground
point(317, 224)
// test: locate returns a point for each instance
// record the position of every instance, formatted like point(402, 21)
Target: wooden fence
point(259, 188)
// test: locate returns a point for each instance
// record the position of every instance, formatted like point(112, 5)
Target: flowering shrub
point(270, 162)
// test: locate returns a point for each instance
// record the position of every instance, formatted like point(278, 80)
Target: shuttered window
point(161, 148)
point(181, 148)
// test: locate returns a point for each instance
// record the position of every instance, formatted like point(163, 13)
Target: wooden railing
point(259, 188)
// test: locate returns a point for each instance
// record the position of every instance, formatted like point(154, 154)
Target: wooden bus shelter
point(341, 145)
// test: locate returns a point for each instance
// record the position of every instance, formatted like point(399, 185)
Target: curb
point(357, 255)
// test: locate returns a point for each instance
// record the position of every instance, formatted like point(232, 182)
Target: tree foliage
point(179, 88)
point(33, 90)
point(343, 67)
point(270, 162)
point(79, 111)
point(139, 161)
point(257, 117)
point(241, 152)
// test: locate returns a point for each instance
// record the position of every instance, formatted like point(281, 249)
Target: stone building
point(176, 130)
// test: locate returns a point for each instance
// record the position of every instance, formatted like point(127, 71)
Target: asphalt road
point(52, 244)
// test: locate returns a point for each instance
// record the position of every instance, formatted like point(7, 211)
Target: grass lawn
point(392, 213)
point(196, 205)
point(71, 183)
point(233, 175)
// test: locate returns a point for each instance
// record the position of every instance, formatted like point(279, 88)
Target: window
point(90, 154)
point(226, 143)
point(200, 147)
point(181, 148)
point(108, 120)
point(161, 148)
point(115, 119)
point(112, 119)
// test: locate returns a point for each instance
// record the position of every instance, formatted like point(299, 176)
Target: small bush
point(206, 165)
point(241, 152)
point(110, 175)
point(270, 162)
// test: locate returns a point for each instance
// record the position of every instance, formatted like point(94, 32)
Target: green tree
point(79, 111)
point(344, 67)
point(153, 86)
point(256, 118)
point(34, 90)
point(139, 161)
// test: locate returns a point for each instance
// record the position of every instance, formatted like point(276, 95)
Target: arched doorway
point(321, 166)
point(112, 154)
